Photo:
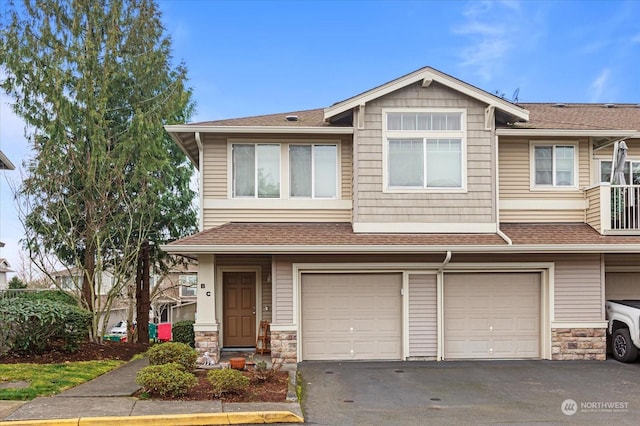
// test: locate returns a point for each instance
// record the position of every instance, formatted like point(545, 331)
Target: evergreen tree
point(95, 83)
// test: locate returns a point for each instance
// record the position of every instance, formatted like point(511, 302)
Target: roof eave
point(185, 128)
point(5, 163)
point(568, 132)
point(427, 75)
point(181, 144)
point(320, 249)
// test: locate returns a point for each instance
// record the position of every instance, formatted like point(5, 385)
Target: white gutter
point(566, 132)
point(306, 249)
point(186, 128)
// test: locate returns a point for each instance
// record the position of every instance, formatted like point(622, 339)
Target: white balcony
point(614, 209)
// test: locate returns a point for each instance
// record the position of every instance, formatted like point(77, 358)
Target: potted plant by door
point(237, 363)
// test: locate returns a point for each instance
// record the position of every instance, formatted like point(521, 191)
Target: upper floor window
point(256, 170)
point(188, 285)
point(425, 150)
point(631, 172)
point(554, 165)
point(286, 170)
point(313, 171)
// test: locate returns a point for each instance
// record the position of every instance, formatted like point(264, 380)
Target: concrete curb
point(170, 420)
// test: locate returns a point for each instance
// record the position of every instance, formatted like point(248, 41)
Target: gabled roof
point(5, 164)
point(427, 75)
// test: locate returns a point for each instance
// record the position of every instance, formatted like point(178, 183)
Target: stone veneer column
point(207, 341)
point(579, 344)
point(284, 347)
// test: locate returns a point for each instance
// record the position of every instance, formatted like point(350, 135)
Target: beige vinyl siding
point(593, 211)
point(215, 184)
point(423, 327)
point(214, 179)
point(376, 206)
point(578, 289)
point(215, 217)
point(264, 262)
point(515, 182)
point(282, 291)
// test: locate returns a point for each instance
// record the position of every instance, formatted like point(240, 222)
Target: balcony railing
point(614, 209)
point(625, 207)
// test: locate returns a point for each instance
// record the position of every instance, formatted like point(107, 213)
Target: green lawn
point(50, 379)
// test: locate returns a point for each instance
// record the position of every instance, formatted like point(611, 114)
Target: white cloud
point(598, 87)
point(494, 30)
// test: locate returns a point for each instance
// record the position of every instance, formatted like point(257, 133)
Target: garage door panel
point(494, 315)
point(360, 316)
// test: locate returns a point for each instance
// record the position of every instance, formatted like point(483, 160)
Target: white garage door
point(492, 315)
point(622, 285)
point(351, 316)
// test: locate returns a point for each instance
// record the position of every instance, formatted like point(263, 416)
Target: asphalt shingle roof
point(341, 234)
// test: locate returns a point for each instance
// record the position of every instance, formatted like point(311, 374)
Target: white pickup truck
point(624, 328)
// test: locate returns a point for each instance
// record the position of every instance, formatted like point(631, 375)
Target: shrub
point(52, 295)
point(177, 352)
point(29, 325)
point(166, 379)
point(262, 373)
point(182, 331)
point(227, 380)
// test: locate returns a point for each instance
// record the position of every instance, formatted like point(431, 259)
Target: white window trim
point(313, 170)
point(284, 167)
point(553, 187)
point(599, 171)
point(255, 167)
point(422, 134)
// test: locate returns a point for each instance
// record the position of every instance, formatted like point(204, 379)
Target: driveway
point(478, 392)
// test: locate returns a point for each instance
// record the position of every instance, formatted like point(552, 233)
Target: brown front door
point(239, 309)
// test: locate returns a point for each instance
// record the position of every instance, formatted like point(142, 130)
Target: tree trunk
point(88, 281)
point(142, 294)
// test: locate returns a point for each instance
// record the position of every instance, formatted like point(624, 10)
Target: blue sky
point(260, 57)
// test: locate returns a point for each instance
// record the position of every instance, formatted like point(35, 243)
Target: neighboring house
point(424, 219)
point(4, 268)
point(5, 164)
point(173, 300)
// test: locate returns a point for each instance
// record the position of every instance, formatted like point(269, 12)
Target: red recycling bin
point(164, 331)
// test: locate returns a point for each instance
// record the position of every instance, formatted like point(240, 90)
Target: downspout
point(504, 237)
point(200, 183)
point(497, 186)
point(439, 303)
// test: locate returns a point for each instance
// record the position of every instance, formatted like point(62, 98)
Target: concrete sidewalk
point(108, 397)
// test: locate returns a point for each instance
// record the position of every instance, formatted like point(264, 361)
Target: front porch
point(614, 209)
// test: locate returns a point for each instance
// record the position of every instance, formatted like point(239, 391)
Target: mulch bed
point(272, 390)
point(87, 352)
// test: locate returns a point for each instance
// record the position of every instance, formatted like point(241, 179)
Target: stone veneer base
point(579, 344)
point(207, 341)
point(284, 347)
